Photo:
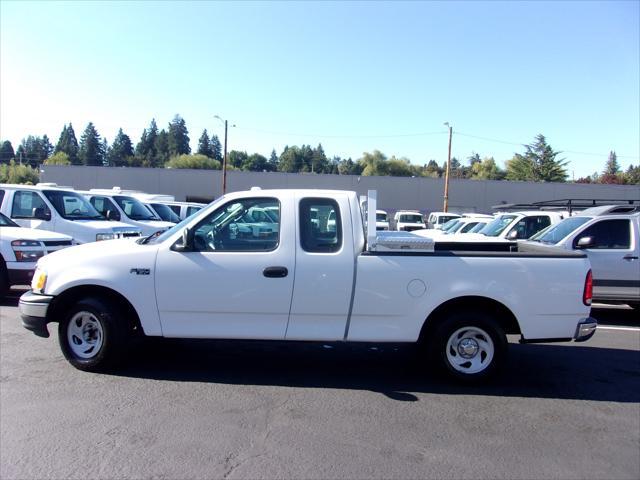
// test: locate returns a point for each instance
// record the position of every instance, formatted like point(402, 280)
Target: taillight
point(587, 295)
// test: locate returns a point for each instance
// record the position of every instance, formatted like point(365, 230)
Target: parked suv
point(46, 206)
point(610, 237)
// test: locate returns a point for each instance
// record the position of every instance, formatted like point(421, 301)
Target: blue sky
point(354, 76)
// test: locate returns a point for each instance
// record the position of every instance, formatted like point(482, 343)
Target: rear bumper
point(20, 276)
point(33, 312)
point(586, 329)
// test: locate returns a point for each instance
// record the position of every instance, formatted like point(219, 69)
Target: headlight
point(27, 250)
point(105, 236)
point(39, 281)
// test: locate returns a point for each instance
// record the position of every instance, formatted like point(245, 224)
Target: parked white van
point(46, 206)
point(115, 205)
point(408, 220)
point(382, 220)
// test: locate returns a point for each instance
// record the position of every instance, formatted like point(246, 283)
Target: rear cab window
point(320, 225)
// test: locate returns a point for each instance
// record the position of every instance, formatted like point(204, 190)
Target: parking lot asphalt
point(211, 409)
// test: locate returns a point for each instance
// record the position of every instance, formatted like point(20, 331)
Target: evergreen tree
point(204, 145)
point(216, 148)
point(632, 175)
point(91, 150)
point(272, 163)
point(236, 159)
point(319, 162)
point(178, 137)
point(142, 147)
point(120, 150)
point(538, 164)
point(162, 148)
point(290, 160)
point(612, 167)
point(6, 152)
point(34, 150)
point(68, 144)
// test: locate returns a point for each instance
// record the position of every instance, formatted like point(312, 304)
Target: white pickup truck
point(208, 277)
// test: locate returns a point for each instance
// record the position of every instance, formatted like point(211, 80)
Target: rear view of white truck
point(312, 274)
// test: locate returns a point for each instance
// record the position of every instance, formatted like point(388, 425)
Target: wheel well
point(500, 313)
point(63, 301)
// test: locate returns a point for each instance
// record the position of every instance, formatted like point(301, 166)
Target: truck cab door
point(325, 262)
point(614, 259)
point(236, 278)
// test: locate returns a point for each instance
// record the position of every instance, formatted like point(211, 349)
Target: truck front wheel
point(470, 346)
point(92, 334)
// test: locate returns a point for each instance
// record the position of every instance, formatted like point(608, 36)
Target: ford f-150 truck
point(300, 278)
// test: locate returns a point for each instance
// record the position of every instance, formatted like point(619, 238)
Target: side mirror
point(41, 213)
point(112, 215)
point(185, 244)
point(512, 235)
point(585, 242)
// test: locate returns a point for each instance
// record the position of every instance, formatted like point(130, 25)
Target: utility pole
point(224, 161)
point(446, 175)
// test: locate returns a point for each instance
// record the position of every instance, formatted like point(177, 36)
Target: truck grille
point(57, 243)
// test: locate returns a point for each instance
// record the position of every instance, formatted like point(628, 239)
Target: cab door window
point(320, 225)
point(608, 234)
point(103, 205)
point(531, 225)
point(28, 204)
point(239, 226)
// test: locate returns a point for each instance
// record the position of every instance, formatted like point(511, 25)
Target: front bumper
point(33, 311)
point(585, 329)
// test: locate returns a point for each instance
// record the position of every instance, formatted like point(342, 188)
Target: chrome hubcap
point(468, 347)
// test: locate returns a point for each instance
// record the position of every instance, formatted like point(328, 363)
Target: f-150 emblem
point(140, 271)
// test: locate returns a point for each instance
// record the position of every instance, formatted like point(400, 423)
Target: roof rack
point(569, 204)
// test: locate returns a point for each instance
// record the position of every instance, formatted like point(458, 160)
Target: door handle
point(275, 272)
point(629, 257)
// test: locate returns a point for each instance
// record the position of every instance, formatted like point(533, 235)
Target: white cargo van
point(63, 210)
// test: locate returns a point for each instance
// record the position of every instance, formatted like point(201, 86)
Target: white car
point(118, 206)
point(408, 220)
point(21, 248)
point(611, 239)
point(508, 227)
point(46, 206)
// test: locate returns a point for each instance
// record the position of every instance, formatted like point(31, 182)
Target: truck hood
point(89, 253)
point(18, 233)
point(105, 226)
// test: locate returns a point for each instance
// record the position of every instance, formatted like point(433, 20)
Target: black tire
point(485, 342)
point(4, 279)
point(93, 335)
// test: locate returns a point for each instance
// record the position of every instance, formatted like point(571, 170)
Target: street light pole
point(224, 159)
point(446, 175)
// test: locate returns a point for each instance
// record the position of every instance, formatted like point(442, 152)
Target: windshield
point(408, 218)
point(165, 213)
point(450, 224)
point(5, 222)
point(497, 226)
point(478, 227)
point(72, 205)
point(557, 232)
point(381, 217)
point(471, 225)
point(134, 209)
point(446, 218)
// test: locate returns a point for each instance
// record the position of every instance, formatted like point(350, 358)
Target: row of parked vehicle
point(39, 219)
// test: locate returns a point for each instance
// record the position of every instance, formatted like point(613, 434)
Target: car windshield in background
point(134, 209)
point(410, 218)
point(72, 205)
point(450, 224)
point(381, 217)
point(557, 232)
point(477, 228)
point(445, 219)
point(6, 222)
point(165, 213)
point(497, 226)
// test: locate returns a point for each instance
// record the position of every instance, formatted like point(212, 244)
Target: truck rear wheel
point(470, 347)
point(92, 334)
